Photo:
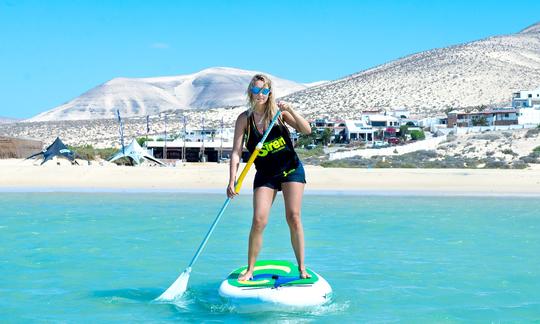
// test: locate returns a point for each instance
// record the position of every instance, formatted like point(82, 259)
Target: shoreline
point(346, 193)
point(24, 176)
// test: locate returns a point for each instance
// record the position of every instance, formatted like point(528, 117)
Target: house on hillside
point(488, 117)
point(321, 124)
point(358, 130)
point(383, 121)
point(528, 104)
point(400, 113)
point(433, 123)
point(526, 99)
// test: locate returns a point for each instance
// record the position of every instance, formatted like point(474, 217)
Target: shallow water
point(87, 257)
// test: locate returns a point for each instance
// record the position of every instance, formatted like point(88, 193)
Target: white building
point(433, 123)
point(199, 135)
point(528, 104)
point(358, 130)
point(526, 99)
point(529, 116)
point(382, 121)
point(400, 113)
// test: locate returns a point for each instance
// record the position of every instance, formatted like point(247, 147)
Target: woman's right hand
point(231, 193)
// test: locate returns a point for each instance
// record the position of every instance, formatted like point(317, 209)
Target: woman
point(278, 167)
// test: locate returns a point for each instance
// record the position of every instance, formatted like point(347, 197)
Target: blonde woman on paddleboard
point(278, 167)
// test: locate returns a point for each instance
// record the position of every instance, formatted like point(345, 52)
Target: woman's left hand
point(284, 106)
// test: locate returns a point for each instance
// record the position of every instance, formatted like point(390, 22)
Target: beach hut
point(136, 154)
point(57, 148)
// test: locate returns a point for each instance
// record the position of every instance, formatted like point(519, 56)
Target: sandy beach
point(19, 175)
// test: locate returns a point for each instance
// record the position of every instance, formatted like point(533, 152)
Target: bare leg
point(263, 197)
point(292, 194)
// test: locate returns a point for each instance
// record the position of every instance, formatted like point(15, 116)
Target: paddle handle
point(240, 180)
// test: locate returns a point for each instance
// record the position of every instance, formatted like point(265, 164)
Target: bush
point(529, 159)
point(519, 164)
point(533, 132)
point(487, 137)
point(86, 152)
point(305, 153)
point(304, 140)
point(509, 152)
point(142, 140)
point(482, 121)
point(495, 164)
point(417, 135)
point(106, 153)
point(403, 131)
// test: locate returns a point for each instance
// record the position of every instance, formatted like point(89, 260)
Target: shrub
point(383, 164)
point(403, 131)
point(305, 153)
point(86, 152)
point(106, 153)
point(509, 152)
point(142, 140)
point(494, 164)
point(519, 164)
point(529, 159)
point(487, 137)
point(482, 121)
point(533, 132)
point(417, 135)
point(449, 138)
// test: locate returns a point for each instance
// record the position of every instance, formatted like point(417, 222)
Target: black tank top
point(277, 154)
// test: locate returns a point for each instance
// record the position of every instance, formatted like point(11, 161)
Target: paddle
point(177, 289)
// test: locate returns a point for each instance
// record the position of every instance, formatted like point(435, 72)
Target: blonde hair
point(270, 107)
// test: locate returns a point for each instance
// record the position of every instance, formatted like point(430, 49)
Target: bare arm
point(294, 119)
point(238, 143)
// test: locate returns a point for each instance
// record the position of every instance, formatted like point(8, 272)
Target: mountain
point(209, 88)
point(7, 120)
point(483, 72)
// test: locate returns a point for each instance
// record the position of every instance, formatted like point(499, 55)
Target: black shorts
point(274, 182)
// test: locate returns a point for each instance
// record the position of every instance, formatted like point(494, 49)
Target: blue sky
point(53, 51)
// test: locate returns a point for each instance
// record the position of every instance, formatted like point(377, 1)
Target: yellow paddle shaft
point(252, 158)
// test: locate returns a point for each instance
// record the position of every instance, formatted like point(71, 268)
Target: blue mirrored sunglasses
point(256, 90)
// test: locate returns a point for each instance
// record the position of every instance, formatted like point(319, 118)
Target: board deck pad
point(272, 273)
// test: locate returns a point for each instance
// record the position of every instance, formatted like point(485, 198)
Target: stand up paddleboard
point(275, 283)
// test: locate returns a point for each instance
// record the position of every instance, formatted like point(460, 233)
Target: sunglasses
point(257, 90)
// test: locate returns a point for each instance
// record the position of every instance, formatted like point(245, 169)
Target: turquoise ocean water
point(103, 257)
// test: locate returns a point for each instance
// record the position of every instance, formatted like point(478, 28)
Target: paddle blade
point(177, 289)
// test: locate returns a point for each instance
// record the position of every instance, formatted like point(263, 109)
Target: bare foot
point(246, 276)
point(304, 274)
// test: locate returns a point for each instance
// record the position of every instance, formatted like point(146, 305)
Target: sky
point(53, 51)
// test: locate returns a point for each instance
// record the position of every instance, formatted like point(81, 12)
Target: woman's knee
point(293, 219)
point(259, 223)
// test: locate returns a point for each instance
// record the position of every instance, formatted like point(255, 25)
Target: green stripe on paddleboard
point(272, 267)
